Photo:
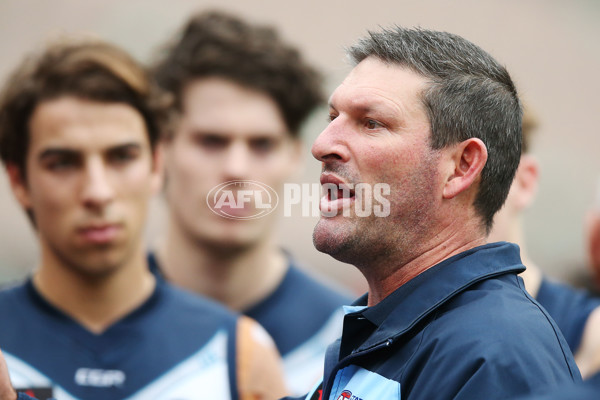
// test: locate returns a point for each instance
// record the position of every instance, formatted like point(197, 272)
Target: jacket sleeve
point(490, 360)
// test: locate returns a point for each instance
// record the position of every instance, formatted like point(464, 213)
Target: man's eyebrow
point(125, 146)
point(58, 151)
point(65, 151)
point(358, 106)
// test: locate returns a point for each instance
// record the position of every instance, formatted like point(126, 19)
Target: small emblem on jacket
point(99, 377)
point(345, 395)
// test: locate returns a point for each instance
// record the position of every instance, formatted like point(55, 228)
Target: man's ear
point(526, 181)
point(18, 185)
point(467, 159)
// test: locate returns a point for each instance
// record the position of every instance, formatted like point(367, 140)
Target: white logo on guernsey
point(99, 377)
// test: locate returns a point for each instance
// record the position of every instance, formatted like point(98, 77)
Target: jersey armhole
point(259, 367)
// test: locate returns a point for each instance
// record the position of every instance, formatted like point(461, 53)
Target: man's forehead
point(69, 108)
point(244, 134)
point(374, 84)
point(234, 121)
point(373, 71)
point(71, 123)
point(363, 103)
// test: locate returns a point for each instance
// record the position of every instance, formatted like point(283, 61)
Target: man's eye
point(124, 155)
point(372, 124)
point(331, 117)
point(211, 142)
point(263, 145)
point(61, 163)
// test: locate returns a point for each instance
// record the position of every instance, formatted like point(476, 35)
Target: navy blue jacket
point(464, 329)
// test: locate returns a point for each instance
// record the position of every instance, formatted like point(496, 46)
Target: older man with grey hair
point(446, 317)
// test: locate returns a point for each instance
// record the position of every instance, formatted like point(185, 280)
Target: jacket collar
point(422, 295)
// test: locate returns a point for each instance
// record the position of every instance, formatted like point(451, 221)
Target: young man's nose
point(237, 161)
point(97, 189)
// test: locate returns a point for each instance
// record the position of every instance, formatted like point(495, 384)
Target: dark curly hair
point(217, 44)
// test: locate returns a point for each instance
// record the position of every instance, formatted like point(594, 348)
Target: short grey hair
point(470, 95)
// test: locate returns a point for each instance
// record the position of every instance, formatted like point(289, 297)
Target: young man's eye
point(61, 163)
point(123, 155)
point(263, 145)
point(56, 165)
point(211, 142)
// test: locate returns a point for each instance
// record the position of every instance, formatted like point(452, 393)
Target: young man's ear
point(526, 180)
point(18, 185)
point(466, 161)
point(158, 173)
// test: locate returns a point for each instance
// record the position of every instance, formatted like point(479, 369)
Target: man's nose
point(331, 143)
point(97, 189)
point(237, 162)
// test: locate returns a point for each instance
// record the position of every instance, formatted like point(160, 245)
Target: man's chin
point(95, 271)
point(232, 245)
point(327, 240)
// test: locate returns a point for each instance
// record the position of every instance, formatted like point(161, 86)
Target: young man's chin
point(98, 263)
point(235, 242)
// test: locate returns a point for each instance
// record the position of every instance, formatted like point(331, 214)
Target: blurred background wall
point(551, 47)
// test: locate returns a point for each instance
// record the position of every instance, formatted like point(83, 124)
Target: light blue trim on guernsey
point(304, 365)
point(353, 309)
point(356, 383)
point(204, 372)
point(25, 375)
point(190, 377)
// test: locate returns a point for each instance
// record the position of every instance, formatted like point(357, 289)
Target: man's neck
point(385, 276)
point(236, 277)
point(96, 302)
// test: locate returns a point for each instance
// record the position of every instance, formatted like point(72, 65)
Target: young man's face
point(227, 132)
point(90, 175)
point(379, 133)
